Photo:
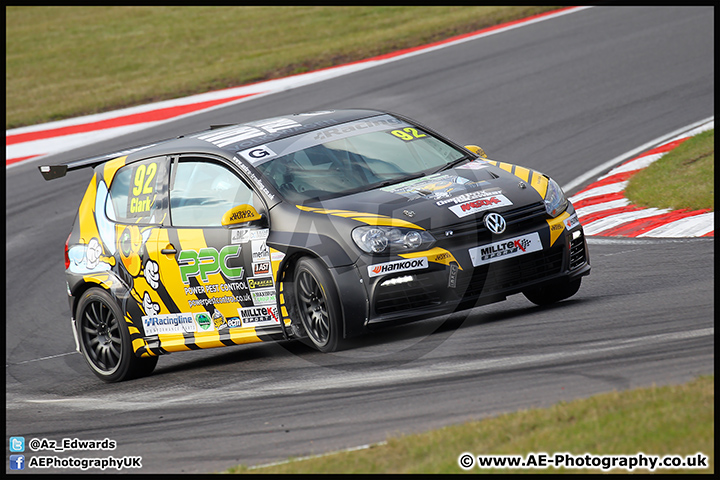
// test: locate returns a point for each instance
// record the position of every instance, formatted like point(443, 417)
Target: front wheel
point(317, 304)
point(105, 340)
point(552, 292)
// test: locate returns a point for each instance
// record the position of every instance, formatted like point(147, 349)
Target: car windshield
point(352, 157)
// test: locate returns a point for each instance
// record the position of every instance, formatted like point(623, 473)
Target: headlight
point(555, 200)
point(381, 239)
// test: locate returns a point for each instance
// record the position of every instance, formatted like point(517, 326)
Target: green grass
point(682, 178)
point(668, 420)
point(68, 61)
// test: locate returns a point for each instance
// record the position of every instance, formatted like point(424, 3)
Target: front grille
point(474, 232)
point(506, 274)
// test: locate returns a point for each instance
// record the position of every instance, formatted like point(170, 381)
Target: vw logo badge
point(495, 223)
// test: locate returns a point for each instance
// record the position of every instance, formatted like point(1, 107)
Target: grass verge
point(667, 420)
point(69, 61)
point(682, 178)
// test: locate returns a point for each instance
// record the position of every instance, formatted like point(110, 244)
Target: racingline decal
point(397, 266)
point(475, 206)
point(171, 323)
point(511, 247)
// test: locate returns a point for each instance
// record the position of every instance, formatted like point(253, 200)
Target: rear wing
point(51, 172)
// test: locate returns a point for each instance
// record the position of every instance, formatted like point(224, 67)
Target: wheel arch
point(348, 283)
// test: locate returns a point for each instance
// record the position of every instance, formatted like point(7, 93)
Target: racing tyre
point(105, 340)
point(317, 304)
point(552, 292)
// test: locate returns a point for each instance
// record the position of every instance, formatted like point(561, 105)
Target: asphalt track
point(561, 96)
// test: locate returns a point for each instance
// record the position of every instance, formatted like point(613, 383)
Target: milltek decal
point(474, 206)
point(512, 247)
point(172, 323)
point(256, 316)
point(397, 266)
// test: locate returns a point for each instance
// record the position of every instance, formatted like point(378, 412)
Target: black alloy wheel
point(105, 340)
point(317, 304)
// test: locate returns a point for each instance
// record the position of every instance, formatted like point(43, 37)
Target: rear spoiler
point(51, 172)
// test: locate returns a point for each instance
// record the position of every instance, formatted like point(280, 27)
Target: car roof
point(233, 138)
point(227, 139)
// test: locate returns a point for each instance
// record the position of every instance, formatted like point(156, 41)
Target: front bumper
point(444, 288)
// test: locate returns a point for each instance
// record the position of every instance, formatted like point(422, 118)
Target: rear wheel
point(105, 339)
point(317, 304)
point(552, 292)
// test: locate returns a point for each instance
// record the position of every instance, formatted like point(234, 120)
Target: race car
point(315, 226)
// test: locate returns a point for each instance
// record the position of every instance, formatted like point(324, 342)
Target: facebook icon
point(17, 462)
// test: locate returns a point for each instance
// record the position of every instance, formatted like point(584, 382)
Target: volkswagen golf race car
point(315, 226)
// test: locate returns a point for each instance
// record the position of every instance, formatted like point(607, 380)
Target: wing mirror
point(240, 214)
point(476, 150)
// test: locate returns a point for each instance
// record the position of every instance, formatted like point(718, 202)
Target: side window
point(138, 193)
point(202, 191)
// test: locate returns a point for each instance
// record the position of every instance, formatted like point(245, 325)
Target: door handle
point(169, 250)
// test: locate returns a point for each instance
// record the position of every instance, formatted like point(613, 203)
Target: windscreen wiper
point(454, 163)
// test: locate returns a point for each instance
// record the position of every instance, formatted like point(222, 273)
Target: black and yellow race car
point(317, 226)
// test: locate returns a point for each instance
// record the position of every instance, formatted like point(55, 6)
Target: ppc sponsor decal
point(504, 249)
point(397, 266)
point(170, 323)
point(479, 205)
point(258, 316)
point(208, 261)
point(572, 221)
